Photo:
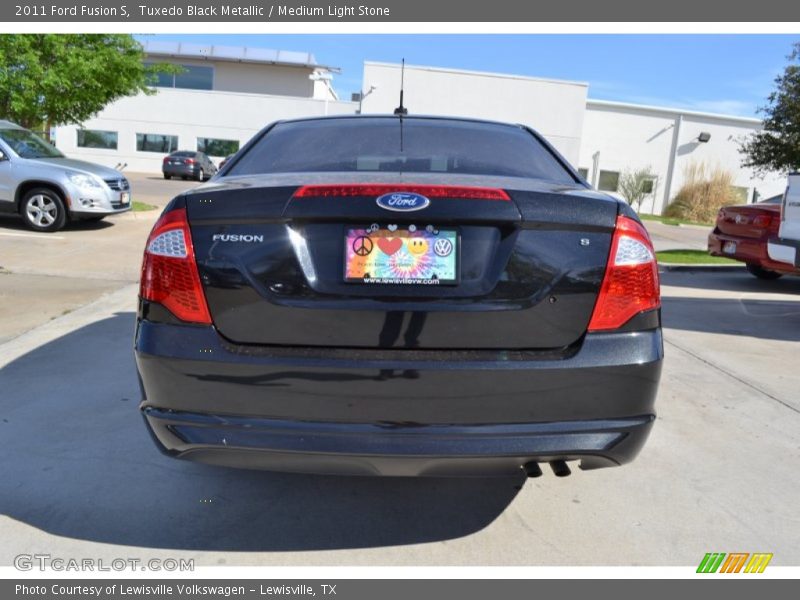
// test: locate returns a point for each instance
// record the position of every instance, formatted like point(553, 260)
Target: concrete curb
point(677, 225)
point(698, 227)
point(107, 305)
point(137, 215)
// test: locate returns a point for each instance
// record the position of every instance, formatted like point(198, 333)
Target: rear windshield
point(416, 146)
point(183, 153)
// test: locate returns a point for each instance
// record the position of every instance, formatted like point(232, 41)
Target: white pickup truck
point(786, 247)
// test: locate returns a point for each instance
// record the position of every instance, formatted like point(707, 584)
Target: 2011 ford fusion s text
point(396, 295)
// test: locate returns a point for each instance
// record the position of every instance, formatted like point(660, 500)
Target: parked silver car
point(46, 188)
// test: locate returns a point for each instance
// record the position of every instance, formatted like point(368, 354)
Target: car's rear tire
point(43, 209)
point(762, 273)
point(201, 175)
point(167, 176)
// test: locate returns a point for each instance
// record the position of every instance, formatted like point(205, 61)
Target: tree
point(55, 79)
point(777, 146)
point(635, 186)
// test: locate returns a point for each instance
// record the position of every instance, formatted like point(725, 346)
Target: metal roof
point(480, 73)
point(667, 110)
point(244, 54)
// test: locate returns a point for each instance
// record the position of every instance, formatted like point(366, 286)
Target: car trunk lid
point(749, 221)
point(272, 263)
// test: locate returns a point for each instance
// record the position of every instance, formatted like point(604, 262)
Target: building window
point(156, 142)
point(608, 181)
point(649, 185)
point(93, 138)
point(583, 172)
point(214, 147)
point(193, 77)
point(741, 193)
point(164, 80)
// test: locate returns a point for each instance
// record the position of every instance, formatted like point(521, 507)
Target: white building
point(225, 95)
point(619, 137)
point(554, 108)
point(221, 99)
point(602, 139)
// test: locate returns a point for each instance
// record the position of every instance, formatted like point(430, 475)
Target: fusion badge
point(237, 237)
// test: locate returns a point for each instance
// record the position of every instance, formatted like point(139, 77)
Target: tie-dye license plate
point(391, 255)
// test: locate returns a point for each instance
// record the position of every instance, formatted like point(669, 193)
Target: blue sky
point(715, 73)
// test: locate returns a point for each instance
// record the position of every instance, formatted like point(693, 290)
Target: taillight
point(169, 270)
point(166, 159)
point(762, 221)
point(630, 285)
point(188, 161)
point(430, 191)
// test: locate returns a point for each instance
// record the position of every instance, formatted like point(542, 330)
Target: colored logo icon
point(735, 562)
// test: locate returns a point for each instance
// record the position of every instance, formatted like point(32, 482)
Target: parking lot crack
point(732, 375)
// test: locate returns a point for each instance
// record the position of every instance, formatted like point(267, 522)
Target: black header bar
point(371, 11)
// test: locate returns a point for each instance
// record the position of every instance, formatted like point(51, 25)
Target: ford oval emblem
point(402, 201)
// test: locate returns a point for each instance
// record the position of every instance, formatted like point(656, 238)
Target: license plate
point(401, 255)
point(729, 247)
point(124, 198)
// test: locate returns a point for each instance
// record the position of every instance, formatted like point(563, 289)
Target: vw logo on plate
point(402, 201)
point(443, 247)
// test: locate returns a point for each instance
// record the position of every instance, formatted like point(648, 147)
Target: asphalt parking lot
point(82, 478)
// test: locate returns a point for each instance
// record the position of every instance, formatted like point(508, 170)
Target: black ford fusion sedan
point(395, 295)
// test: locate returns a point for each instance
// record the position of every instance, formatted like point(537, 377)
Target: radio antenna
point(401, 110)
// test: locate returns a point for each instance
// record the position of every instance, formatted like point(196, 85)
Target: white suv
point(46, 188)
point(786, 247)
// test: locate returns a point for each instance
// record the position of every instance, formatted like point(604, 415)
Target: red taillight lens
point(630, 285)
point(430, 191)
point(166, 159)
point(188, 161)
point(169, 270)
point(762, 221)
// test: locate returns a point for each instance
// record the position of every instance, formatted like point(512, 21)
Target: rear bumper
point(181, 170)
point(400, 450)
point(750, 251)
point(396, 412)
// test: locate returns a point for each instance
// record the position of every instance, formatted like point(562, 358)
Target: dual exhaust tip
point(560, 469)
